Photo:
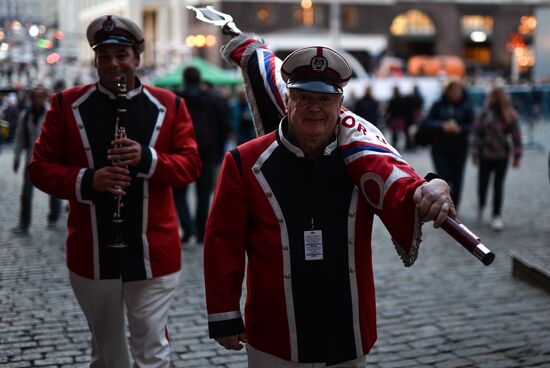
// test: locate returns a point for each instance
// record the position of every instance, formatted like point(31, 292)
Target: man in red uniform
point(298, 204)
point(74, 159)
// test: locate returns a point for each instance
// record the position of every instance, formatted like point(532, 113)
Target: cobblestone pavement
point(448, 310)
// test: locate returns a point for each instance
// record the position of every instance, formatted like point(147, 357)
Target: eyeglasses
point(305, 99)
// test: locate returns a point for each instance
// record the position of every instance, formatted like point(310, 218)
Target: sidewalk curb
point(526, 268)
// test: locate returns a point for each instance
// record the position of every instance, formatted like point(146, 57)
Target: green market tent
point(209, 73)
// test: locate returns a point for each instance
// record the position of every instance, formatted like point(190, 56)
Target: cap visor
point(114, 40)
point(315, 86)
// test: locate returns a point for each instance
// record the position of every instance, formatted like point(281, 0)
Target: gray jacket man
point(27, 130)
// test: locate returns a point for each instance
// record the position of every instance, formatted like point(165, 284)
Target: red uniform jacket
point(75, 137)
point(300, 306)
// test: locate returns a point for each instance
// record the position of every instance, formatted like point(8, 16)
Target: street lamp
point(200, 41)
point(53, 58)
point(478, 36)
point(34, 31)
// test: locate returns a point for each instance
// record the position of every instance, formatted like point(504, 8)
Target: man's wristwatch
point(431, 176)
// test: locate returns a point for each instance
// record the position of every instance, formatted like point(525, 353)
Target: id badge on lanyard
point(313, 245)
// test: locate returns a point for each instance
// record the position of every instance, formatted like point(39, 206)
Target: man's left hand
point(127, 154)
point(433, 201)
point(232, 342)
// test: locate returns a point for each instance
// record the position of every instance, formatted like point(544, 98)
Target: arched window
point(412, 23)
point(306, 13)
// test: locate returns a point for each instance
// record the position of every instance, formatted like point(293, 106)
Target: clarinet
point(118, 219)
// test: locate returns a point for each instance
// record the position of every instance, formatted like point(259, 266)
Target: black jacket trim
point(431, 176)
point(87, 186)
point(237, 157)
point(146, 160)
point(225, 328)
point(59, 98)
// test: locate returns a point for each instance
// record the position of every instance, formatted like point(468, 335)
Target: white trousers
point(259, 359)
point(103, 303)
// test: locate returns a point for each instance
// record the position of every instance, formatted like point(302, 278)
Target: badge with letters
point(313, 245)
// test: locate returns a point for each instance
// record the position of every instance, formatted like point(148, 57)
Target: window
point(412, 23)
point(477, 23)
point(350, 16)
point(308, 16)
point(264, 15)
point(477, 54)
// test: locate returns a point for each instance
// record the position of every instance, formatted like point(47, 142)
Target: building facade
point(36, 11)
point(488, 35)
point(26, 27)
point(485, 34)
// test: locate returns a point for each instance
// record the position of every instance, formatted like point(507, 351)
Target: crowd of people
point(400, 115)
point(17, 73)
point(221, 123)
point(454, 133)
point(297, 202)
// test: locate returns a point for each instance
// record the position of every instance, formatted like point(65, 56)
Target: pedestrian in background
point(451, 120)
point(222, 110)
point(78, 157)
point(414, 103)
point(4, 125)
point(241, 116)
point(395, 116)
point(14, 104)
point(368, 107)
point(27, 130)
point(210, 122)
point(496, 137)
point(58, 86)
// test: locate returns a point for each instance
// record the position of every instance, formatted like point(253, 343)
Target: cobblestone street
point(446, 311)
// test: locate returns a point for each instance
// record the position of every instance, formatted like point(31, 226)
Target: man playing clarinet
point(130, 170)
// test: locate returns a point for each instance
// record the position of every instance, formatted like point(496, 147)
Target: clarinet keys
point(118, 220)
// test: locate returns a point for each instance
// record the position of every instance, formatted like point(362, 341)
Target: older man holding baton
point(304, 222)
